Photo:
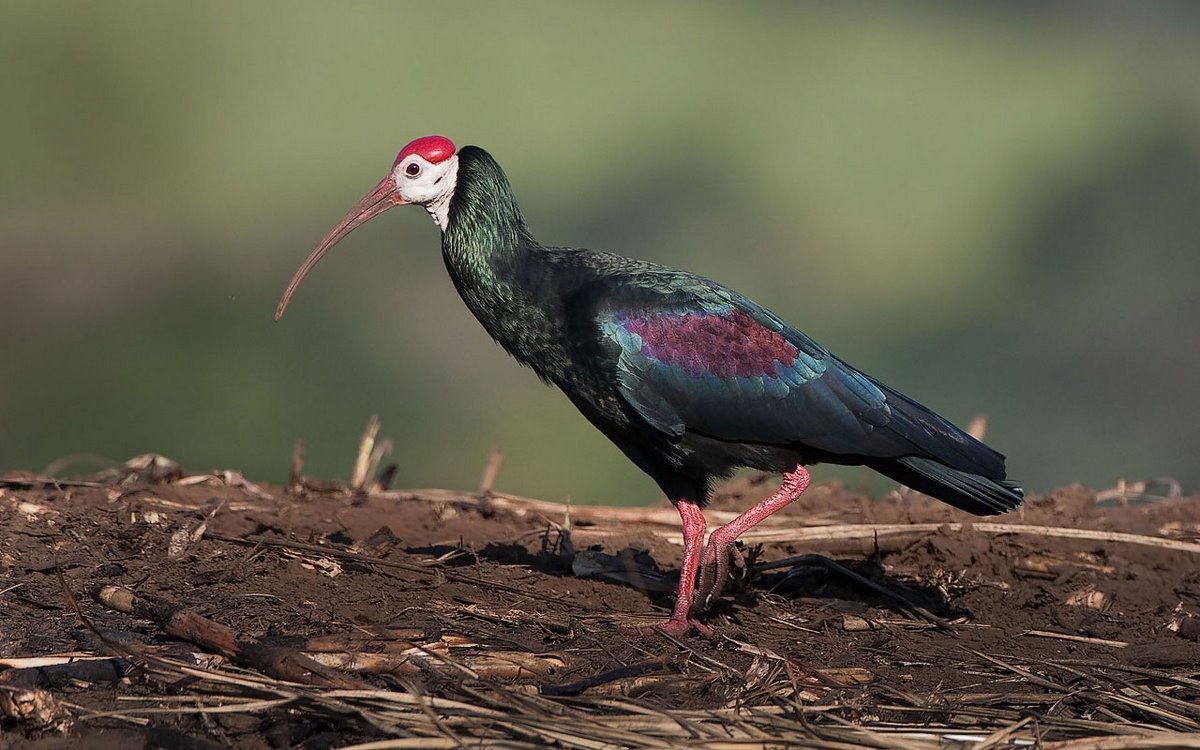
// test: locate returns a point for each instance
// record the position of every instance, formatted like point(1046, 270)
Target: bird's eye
point(413, 169)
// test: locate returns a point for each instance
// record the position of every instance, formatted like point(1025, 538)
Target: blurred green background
point(994, 207)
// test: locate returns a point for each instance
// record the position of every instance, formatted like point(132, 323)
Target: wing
point(720, 365)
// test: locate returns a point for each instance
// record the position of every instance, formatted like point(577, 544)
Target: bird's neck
point(484, 229)
point(495, 263)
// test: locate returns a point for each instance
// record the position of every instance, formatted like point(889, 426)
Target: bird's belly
point(721, 457)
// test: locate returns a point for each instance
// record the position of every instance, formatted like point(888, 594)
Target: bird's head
point(424, 174)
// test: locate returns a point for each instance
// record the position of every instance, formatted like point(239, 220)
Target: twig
point(1107, 700)
point(48, 660)
point(1126, 490)
point(47, 483)
point(977, 428)
point(184, 538)
point(620, 673)
point(379, 639)
point(176, 620)
point(378, 480)
point(488, 480)
point(1003, 734)
point(839, 532)
point(296, 472)
point(1076, 638)
point(1157, 741)
point(483, 663)
point(362, 462)
point(1131, 669)
point(524, 506)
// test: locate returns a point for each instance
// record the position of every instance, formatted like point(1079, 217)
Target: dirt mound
point(155, 609)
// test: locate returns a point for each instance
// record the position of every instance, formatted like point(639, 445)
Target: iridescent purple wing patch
point(727, 344)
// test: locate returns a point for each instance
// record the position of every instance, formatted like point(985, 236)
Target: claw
point(739, 557)
point(714, 568)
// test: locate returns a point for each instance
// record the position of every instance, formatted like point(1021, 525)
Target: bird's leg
point(694, 526)
point(715, 567)
point(681, 620)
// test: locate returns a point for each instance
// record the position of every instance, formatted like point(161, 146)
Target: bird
point(690, 379)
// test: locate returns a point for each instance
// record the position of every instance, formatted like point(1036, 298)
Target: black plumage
point(690, 379)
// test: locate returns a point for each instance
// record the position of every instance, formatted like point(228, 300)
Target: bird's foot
point(677, 627)
point(714, 568)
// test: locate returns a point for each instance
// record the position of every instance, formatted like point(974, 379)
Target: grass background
point(993, 207)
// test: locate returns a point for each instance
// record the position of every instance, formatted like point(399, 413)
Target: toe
point(739, 557)
point(677, 627)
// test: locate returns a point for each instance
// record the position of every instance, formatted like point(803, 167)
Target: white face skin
point(426, 184)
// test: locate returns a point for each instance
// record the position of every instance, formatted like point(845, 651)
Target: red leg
point(681, 621)
point(715, 568)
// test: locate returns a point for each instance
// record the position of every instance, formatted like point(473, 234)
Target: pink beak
point(382, 197)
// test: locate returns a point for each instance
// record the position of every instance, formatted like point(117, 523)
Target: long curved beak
point(382, 197)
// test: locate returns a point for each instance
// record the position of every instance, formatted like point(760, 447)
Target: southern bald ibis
point(689, 378)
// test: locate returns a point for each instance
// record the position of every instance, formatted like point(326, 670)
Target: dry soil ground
point(152, 609)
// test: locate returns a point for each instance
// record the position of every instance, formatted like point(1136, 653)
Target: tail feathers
point(931, 435)
point(970, 492)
